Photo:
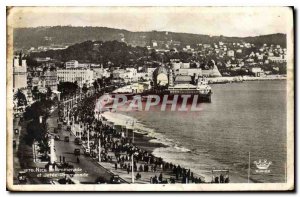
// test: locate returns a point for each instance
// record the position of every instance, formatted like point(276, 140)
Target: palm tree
point(21, 98)
point(49, 93)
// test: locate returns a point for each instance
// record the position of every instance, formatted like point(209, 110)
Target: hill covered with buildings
point(59, 37)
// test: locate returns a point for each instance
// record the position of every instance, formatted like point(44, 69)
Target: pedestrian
point(64, 159)
point(217, 179)
point(60, 159)
point(128, 170)
point(160, 178)
point(116, 166)
point(155, 179)
point(221, 178)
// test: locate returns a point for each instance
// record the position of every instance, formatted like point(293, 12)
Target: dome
point(160, 76)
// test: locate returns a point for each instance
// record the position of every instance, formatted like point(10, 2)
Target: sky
point(226, 21)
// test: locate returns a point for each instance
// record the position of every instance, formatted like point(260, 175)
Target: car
point(115, 179)
point(76, 151)
point(100, 180)
point(78, 141)
point(55, 130)
point(22, 177)
point(56, 137)
point(67, 139)
point(65, 165)
point(87, 151)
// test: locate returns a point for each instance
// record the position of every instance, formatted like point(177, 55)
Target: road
point(16, 163)
point(66, 149)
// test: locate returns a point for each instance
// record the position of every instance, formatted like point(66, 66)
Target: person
point(60, 159)
point(227, 179)
point(128, 169)
point(160, 178)
point(217, 179)
point(141, 168)
point(64, 160)
point(155, 179)
point(221, 178)
point(116, 166)
point(151, 180)
point(78, 161)
point(137, 176)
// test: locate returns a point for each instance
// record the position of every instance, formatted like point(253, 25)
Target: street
point(66, 149)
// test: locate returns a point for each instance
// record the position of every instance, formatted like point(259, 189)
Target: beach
point(157, 144)
point(213, 145)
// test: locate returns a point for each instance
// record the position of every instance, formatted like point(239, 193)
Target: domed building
point(160, 76)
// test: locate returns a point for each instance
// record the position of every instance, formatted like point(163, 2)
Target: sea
point(245, 122)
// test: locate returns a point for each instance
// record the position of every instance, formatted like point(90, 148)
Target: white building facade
point(19, 74)
point(82, 76)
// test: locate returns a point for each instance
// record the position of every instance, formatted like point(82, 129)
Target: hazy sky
point(239, 21)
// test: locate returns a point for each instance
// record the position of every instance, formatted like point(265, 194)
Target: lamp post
point(132, 123)
point(88, 138)
point(132, 169)
point(99, 149)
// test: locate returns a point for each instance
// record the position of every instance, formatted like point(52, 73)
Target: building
point(71, 64)
point(81, 76)
point(19, 74)
point(160, 76)
point(49, 79)
point(140, 87)
point(257, 72)
point(190, 71)
point(100, 73)
point(150, 71)
point(141, 76)
point(230, 53)
point(131, 74)
point(183, 79)
point(279, 59)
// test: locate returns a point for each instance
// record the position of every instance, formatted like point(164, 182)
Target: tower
point(19, 74)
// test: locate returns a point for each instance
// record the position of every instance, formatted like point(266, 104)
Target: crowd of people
point(123, 149)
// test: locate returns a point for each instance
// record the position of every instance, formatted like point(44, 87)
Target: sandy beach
point(146, 139)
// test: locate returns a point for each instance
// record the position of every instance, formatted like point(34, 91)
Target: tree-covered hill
point(25, 38)
point(114, 52)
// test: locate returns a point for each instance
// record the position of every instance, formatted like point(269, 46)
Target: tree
point(35, 92)
point(37, 109)
point(35, 132)
point(67, 88)
point(44, 146)
point(21, 98)
point(96, 85)
point(84, 88)
point(49, 93)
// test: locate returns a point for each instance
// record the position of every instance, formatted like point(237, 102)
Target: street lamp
point(132, 169)
point(99, 147)
point(132, 124)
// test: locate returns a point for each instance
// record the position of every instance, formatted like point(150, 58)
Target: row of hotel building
point(49, 76)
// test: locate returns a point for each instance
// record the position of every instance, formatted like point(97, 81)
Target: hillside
point(24, 38)
point(117, 53)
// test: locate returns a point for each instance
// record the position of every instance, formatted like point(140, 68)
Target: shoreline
point(150, 143)
point(240, 79)
point(153, 145)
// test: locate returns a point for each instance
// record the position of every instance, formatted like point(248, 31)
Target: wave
point(124, 120)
